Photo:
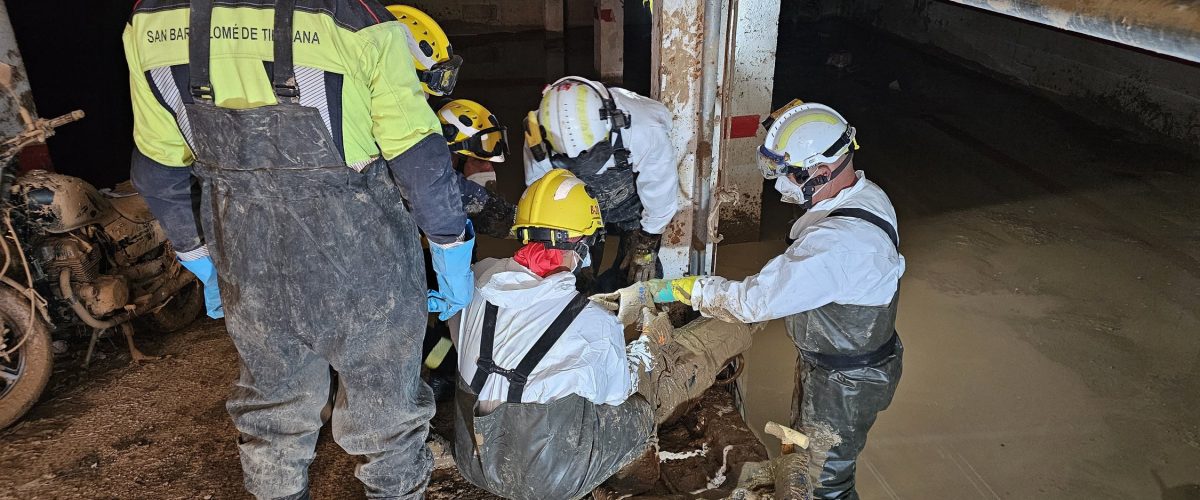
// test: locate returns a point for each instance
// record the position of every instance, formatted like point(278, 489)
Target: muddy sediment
point(160, 430)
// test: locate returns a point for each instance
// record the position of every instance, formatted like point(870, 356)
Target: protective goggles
point(442, 76)
point(474, 144)
point(774, 165)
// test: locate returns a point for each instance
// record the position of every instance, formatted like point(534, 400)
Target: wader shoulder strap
point(200, 30)
point(283, 77)
point(485, 366)
point(517, 377)
point(858, 213)
point(621, 154)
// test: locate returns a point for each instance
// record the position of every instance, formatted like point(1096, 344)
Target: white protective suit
point(837, 287)
point(651, 155)
point(589, 359)
point(841, 260)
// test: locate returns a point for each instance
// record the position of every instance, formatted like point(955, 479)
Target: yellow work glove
point(673, 290)
point(628, 302)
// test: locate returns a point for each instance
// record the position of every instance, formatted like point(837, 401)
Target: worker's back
point(367, 97)
point(588, 360)
point(569, 422)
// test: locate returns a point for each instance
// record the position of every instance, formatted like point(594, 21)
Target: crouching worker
point(478, 141)
point(545, 403)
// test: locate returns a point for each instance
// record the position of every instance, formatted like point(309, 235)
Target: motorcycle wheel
point(180, 312)
point(24, 374)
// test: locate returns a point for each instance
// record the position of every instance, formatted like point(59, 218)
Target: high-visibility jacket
point(352, 63)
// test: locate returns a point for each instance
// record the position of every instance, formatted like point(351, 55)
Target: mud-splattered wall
point(1108, 83)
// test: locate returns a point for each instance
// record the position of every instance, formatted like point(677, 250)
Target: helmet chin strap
point(809, 188)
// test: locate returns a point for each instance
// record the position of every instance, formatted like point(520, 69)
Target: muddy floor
point(159, 430)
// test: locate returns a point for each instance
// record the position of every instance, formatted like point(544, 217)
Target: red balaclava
point(539, 259)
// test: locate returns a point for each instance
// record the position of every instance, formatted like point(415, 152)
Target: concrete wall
point(14, 85)
point(1104, 82)
point(503, 15)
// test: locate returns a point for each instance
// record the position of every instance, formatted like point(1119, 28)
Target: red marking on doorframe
point(743, 126)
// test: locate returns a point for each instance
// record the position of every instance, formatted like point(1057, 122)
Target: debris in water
point(664, 456)
point(718, 479)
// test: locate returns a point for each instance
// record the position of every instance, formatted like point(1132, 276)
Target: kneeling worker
point(538, 362)
point(836, 285)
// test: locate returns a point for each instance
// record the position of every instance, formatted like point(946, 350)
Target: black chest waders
point(529, 451)
point(615, 189)
point(846, 373)
point(320, 267)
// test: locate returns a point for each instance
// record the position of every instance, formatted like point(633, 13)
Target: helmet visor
point(478, 146)
point(442, 76)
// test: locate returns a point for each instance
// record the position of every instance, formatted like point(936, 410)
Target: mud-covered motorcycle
point(75, 259)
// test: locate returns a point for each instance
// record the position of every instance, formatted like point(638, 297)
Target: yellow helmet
point(556, 208)
point(472, 130)
point(437, 66)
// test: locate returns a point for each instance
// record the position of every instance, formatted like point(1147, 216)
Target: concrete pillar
point(677, 55)
point(608, 28)
point(749, 76)
point(16, 100)
point(713, 64)
point(553, 14)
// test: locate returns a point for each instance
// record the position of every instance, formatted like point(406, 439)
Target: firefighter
point(617, 142)
point(538, 362)
point(478, 143)
point(309, 135)
point(836, 286)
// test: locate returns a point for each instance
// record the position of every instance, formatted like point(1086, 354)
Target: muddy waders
point(529, 451)
point(320, 267)
point(847, 372)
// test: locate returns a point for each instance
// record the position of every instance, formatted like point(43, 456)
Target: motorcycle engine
point(100, 293)
point(106, 294)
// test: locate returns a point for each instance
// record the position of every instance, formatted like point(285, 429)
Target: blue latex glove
point(456, 281)
point(204, 269)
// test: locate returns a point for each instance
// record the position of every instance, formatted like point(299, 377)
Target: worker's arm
point(491, 213)
point(168, 192)
point(657, 180)
point(155, 131)
point(159, 163)
point(534, 169)
point(614, 373)
point(400, 115)
point(815, 271)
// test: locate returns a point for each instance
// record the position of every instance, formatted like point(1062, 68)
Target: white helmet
point(576, 114)
point(801, 136)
